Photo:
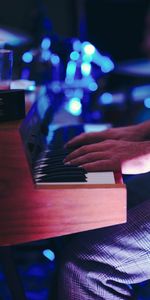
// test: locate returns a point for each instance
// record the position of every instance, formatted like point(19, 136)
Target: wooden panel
point(28, 214)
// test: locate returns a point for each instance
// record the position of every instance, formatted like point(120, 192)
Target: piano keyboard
point(92, 178)
point(49, 168)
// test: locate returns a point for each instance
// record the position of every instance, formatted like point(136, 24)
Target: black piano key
point(62, 178)
point(56, 152)
point(60, 168)
point(51, 160)
point(55, 157)
point(52, 155)
point(61, 175)
point(59, 172)
point(50, 167)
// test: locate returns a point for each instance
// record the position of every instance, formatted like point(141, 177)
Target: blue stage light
point(87, 58)
point(74, 55)
point(49, 254)
point(42, 105)
point(71, 93)
point(106, 98)
point(55, 87)
point(140, 92)
point(85, 69)
point(55, 59)
point(74, 106)
point(106, 64)
point(147, 102)
point(46, 42)
point(78, 93)
point(88, 48)
point(77, 45)
point(50, 135)
point(46, 54)
point(68, 93)
point(93, 86)
point(70, 71)
point(27, 57)
point(31, 88)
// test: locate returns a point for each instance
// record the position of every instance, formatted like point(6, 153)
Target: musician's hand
point(129, 133)
point(112, 155)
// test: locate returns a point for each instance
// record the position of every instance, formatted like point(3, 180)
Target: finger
point(98, 147)
point(83, 139)
point(100, 166)
point(79, 140)
point(88, 158)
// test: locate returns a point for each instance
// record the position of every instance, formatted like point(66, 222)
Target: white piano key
point(100, 177)
point(92, 178)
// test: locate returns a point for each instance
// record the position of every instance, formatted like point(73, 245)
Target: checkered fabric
point(106, 263)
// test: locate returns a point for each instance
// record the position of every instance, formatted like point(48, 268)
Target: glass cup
point(6, 63)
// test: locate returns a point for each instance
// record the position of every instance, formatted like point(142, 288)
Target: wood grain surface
point(28, 213)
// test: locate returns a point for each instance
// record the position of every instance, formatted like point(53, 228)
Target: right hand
point(129, 133)
point(112, 155)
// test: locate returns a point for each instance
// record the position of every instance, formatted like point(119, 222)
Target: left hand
point(112, 155)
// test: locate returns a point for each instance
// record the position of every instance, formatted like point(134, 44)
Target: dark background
point(114, 26)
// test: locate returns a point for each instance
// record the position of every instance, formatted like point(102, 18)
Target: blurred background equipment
point(94, 47)
point(14, 38)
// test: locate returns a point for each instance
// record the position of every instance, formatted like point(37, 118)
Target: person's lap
point(104, 263)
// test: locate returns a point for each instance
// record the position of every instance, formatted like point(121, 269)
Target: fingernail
point(65, 160)
point(67, 163)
